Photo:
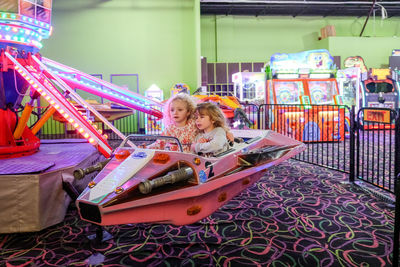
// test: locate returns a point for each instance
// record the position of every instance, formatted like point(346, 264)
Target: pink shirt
point(186, 134)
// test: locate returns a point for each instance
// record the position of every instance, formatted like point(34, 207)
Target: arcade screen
point(322, 92)
point(288, 92)
point(382, 87)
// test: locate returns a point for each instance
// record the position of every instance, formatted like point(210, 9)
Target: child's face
point(204, 122)
point(179, 112)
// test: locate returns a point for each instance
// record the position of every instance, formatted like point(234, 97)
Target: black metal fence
point(325, 129)
point(376, 150)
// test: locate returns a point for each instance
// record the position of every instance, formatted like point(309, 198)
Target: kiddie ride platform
point(33, 188)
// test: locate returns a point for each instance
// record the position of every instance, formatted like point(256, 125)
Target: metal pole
point(369, 14)
point(395, 260)
point(397, 144)
point(352, 144)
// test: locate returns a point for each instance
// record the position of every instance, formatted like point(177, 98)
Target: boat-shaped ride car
point(140, 185)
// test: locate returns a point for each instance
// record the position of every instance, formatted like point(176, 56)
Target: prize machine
point(249, 88)
point(349, 82)
point(302, 90)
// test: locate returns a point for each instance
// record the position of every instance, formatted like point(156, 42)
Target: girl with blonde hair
point(179, 122)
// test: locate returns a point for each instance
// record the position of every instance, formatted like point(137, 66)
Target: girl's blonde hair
point(185, 98)
point(214, 112)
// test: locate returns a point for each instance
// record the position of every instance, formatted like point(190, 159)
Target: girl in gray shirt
point(211, 123)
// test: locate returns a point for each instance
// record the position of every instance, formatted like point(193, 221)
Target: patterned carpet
point(296, 215)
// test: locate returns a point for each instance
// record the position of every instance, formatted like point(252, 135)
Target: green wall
point(157, 39)
point(374, 50)
point(244, 38)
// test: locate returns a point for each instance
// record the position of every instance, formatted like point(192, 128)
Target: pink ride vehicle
point(140, 185)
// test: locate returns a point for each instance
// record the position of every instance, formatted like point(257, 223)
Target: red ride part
point(9, 147)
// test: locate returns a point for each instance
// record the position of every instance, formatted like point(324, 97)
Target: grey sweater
point(216, 142)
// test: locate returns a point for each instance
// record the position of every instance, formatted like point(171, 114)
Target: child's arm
point(217, 143)
point(230, 136)
point(160, 144)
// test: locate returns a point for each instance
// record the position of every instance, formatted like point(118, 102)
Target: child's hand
point(192, 147)
point(230, 137)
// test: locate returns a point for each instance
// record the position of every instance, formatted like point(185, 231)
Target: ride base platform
point(31, 187)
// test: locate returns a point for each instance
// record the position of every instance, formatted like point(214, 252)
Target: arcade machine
point(38, 174)
point(362, 88)
point(349, 85)
point(302, 92)
point(249, 87)
point(394, 64)
point(380, 90)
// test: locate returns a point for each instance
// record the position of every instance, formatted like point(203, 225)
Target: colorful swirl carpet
point(296, 215)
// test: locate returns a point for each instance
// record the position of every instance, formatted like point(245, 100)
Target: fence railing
point(376, 151)
point(325, 129)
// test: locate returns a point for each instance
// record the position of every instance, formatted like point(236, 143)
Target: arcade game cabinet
point(249, 86)
point(377, 89)
point(380, 90)
point(349, 81)
point(302, 91)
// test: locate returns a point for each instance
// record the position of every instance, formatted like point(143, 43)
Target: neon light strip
point(109, 94)
point(41, 32)
point(25, 19)
point(65, 108)
point(20, 40)
point(20, 29)
point(60, 83)
point(112, 87)
point(20, 35)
